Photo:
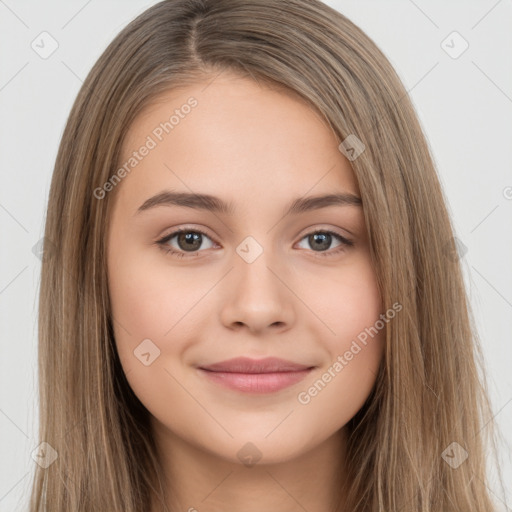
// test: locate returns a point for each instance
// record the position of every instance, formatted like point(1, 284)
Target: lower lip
point(256, 382)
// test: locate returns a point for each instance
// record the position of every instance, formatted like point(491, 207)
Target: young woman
point(255, 301)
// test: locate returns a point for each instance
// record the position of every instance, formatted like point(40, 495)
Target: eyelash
point(162, 242)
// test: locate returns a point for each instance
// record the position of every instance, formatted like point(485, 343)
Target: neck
point(201, 481)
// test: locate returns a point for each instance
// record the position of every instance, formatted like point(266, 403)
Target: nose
point(257, 297)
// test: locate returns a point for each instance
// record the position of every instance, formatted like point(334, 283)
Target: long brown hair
point(430, 391)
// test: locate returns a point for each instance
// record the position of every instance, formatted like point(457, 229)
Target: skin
point(259, 148)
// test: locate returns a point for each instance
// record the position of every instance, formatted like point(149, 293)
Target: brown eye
point(188, 241)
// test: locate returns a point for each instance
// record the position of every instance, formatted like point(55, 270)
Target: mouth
point(256, 376)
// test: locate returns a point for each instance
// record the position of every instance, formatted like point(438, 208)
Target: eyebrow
point(215, 204)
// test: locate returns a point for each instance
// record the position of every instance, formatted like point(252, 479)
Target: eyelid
point(326, 228)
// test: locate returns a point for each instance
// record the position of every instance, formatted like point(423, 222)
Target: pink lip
point(256, 375)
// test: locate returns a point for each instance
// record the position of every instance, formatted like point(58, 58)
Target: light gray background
point(464, 104)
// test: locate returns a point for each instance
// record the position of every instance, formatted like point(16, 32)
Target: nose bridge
point(257, 297)
point(253, 270)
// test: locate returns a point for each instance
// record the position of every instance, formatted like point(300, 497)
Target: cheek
point(149, 320)
point(350, 303)
point(138, 309)
point(351, 307)
point(148, 299)
point(154, 302)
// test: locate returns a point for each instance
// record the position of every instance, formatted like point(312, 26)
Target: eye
point(191, 240)
point(322, 239)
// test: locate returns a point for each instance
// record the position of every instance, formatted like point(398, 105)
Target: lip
point(256, 375)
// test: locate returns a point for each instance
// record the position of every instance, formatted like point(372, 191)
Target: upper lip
point(247, 365)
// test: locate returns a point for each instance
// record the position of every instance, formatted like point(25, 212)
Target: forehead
point(233, 137)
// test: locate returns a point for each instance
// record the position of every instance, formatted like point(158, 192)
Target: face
point(255, 279)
